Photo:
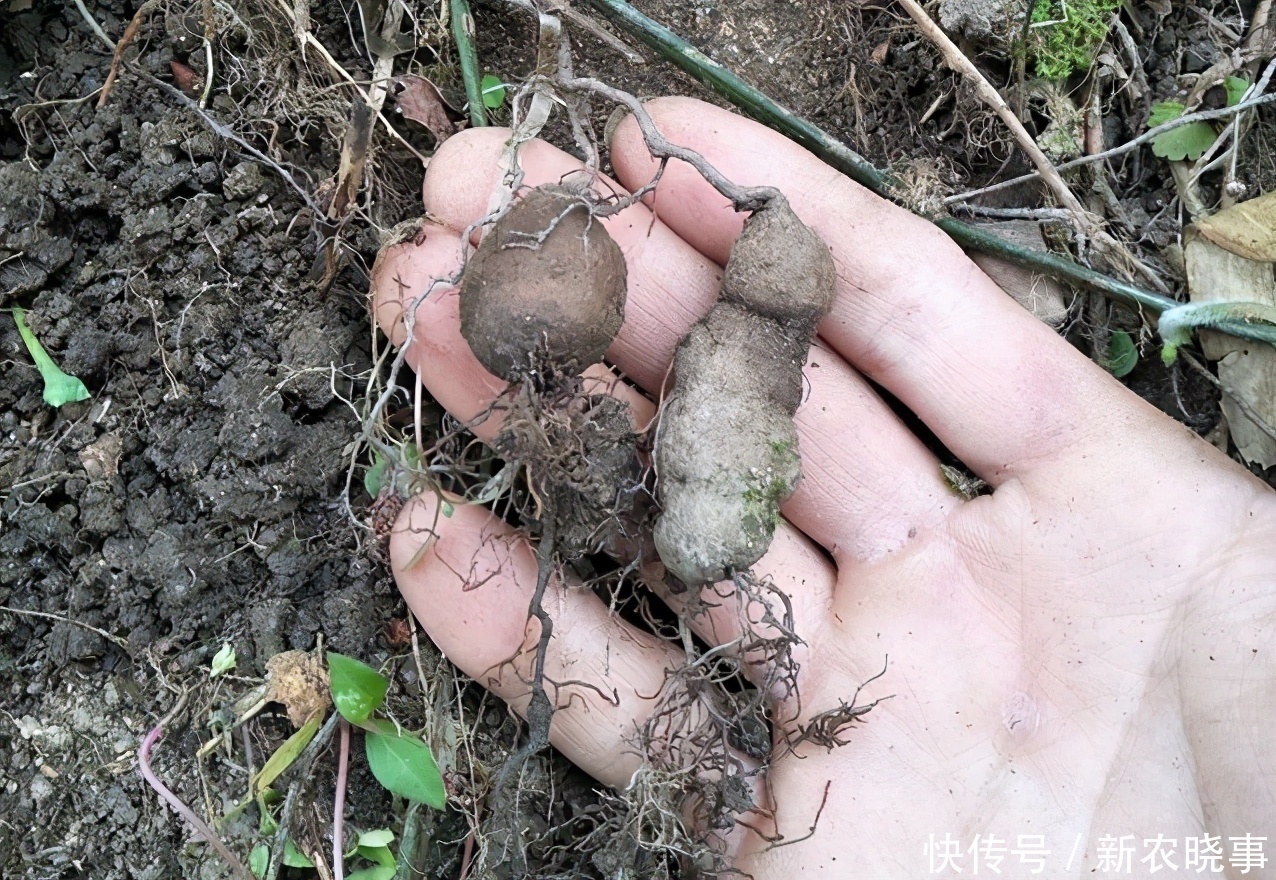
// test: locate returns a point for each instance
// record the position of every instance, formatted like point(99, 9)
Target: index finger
point(1002, 390)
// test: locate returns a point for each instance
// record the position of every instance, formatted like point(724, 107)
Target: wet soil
point(200, 496)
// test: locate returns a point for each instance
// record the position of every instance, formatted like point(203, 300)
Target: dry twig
point(1187, 119)
point(955, 59)
point(93, 25)
point(129, 33)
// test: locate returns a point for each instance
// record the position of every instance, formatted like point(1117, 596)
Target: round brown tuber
point(545, 289)
point(726, 450)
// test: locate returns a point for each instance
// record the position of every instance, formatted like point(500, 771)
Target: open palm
point(1081, 664)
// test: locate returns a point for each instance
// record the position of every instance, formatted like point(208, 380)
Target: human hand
point(1087, 652)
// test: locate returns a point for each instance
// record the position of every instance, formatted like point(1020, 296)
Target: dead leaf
point(1245, 369)
point(1044, 297)
point(187, 79)
point(878, 55)
point(101, 458)
point(1247, 230)
point(421, 101)
point(299, 681)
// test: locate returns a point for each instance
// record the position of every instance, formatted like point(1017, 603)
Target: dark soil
point(200, 496)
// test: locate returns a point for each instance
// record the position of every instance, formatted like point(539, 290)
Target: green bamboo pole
point(463, 36)
point(753, 102)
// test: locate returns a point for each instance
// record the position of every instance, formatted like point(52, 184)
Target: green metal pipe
point(463, 36)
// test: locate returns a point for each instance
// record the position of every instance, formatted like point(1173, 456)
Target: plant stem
point(38, 354)
point(463, 35)
point(1055, 266)
point(339, 804)
point(754, 103)
point(179, 807)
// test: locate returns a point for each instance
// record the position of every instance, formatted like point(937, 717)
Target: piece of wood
point(1245, 369)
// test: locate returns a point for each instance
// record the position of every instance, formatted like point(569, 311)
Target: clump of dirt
point(580, 451)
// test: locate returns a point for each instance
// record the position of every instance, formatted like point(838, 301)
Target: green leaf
point(295, 858)
point(1123, 354)
point(283, 757)
point(59, 388)
point(1188, 141)
point(357, 689)
point(374, 477)
point(1185, 142)
point(379, 855)
point(259, 860)
point(493, 91)
point(404, 765)
point(378, 872)
point(223, 661)
point(1236, 89)
point(380, 837)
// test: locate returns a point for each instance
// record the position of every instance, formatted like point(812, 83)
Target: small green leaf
point(1185, 142)
point(411, 457)
point(357, 689)
point(1236, 89)
point(283, 757)
point(1188, 141)
point(379, 855)
point(377, 838)
point(493, 91)
point(447, 509)
point(295, 858)
point(223, 661)
point(377, 872)
point(1123, 354)
point(59, 388)
point(404, 765)
point(374, 477)
point(259, 860)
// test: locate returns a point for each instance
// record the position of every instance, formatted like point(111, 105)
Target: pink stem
point(144, 765)
point(339, 807)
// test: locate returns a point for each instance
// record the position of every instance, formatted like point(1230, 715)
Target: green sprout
point(493, 91)
point(59, 388)
point(223, 661)
point(401, 762)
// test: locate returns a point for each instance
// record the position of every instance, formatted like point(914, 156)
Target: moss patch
point(1068, 44)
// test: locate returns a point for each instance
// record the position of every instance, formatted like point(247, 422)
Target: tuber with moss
point(726, 451)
